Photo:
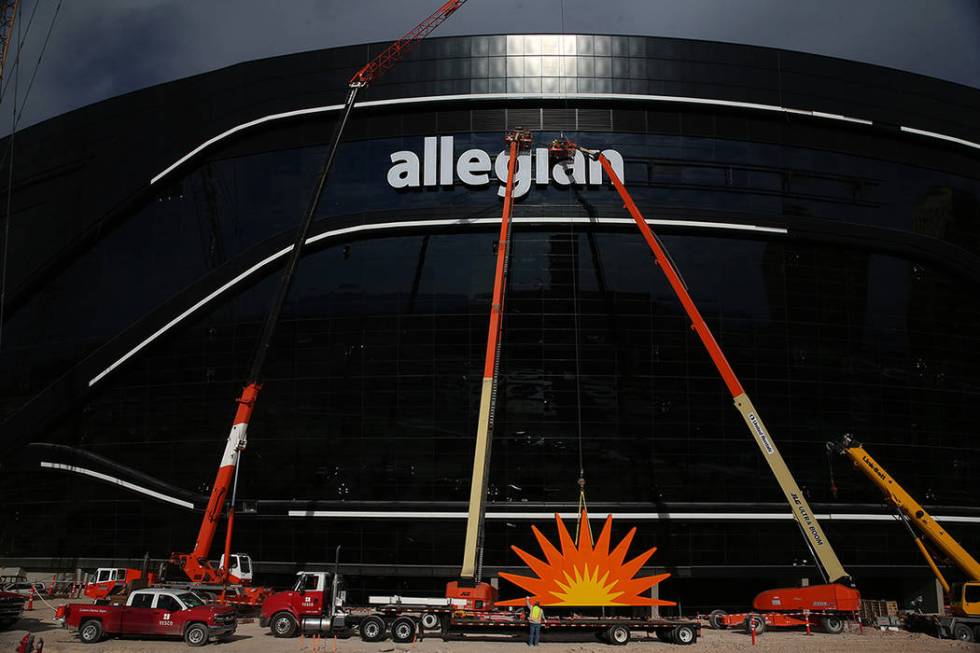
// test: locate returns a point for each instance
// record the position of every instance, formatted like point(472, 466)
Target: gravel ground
point(252, 639)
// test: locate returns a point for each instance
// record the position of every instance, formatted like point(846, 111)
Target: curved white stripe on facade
point(545, 96)
point(120, 482)
point(429, 514)
point(400, 225)
point(635, 516)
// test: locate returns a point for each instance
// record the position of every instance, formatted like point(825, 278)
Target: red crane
point(8, 13)
point(196, 564)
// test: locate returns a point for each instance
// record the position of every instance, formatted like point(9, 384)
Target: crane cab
point(965, 598)
point(239, 567)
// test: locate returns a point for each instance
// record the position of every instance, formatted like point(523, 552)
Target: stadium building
point(825, 215)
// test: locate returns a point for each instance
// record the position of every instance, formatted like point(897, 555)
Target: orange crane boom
point(8, 14)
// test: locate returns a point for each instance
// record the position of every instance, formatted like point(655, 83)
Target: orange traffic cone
point(30, 601)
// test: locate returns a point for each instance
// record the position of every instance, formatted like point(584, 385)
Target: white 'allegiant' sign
point(473, 166)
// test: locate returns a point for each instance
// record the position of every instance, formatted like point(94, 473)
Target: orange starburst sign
point(588, 574)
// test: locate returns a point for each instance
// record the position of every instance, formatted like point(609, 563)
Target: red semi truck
point(316, 604)
point(152, 612)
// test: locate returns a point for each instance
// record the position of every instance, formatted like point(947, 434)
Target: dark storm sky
point(102, 48)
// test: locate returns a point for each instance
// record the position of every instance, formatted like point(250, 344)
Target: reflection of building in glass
point(835, 260)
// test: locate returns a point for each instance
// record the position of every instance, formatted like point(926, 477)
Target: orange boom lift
point(837, 598)
point(469, 585)
point(195, 564)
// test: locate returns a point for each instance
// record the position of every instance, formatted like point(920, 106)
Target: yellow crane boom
point(913, 514)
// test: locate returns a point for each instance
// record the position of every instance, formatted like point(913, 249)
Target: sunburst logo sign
point(586, 574)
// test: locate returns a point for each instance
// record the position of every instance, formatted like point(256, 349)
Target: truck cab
point(311, 604)
point(152, 612)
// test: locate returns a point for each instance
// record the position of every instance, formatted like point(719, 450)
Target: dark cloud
point(101, 48)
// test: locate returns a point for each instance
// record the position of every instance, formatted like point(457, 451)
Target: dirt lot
point(251, 639)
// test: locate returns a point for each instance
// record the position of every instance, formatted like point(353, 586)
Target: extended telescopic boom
point(518, 140)
point(196, 564)
point(829, 564)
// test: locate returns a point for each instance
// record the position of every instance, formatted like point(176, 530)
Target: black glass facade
point(837, 264)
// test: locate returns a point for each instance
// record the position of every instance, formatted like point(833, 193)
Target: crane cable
point(10, 183)
point(16, 115)
point(573, 242)
point(21, 38)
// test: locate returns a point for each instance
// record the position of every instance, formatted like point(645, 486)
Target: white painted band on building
point(634, 516)
point(381, 226)
point(542, 96)
point(521, 516)
point(118, 481)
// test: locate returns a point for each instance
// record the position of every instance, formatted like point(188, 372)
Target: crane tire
point(282, 625)
point(373, 629)
point(715, 619)
point(963, 633)
point(430, 621)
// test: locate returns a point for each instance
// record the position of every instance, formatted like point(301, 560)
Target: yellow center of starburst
point(586, 588)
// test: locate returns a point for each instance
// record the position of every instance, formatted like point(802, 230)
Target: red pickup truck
point(152, 612)
point(11, 605)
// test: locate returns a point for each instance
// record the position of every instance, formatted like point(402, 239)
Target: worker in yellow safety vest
point(535, 616)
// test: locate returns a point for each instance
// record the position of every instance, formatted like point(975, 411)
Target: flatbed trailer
point(612, 630)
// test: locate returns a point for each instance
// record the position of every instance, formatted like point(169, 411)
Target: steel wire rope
point(10, 183)
point(30, 85)
point(16, 115)
point(40, 57)
point(573, 244)
point(21, 38)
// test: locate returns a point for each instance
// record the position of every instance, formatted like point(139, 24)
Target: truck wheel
point(757, 621)
point(196, 635)
point(430, 621)
point(684, 635)
point(90, 631)
point(716, 619)
point(403, 630)
point(373, 629)
point(618, 635)
point(283, 625)
point(963, 633)
point(832, 625)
